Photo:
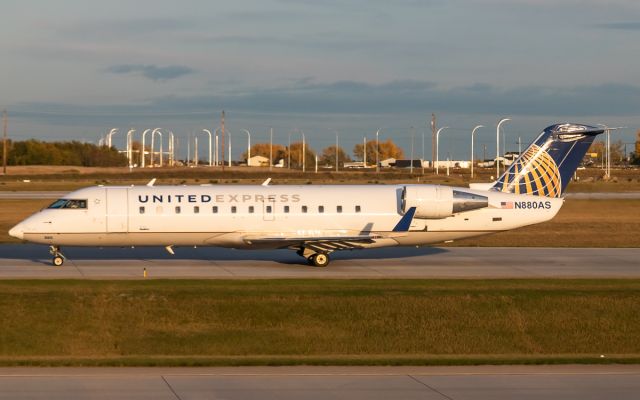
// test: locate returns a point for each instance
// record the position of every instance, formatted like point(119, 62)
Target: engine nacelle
point(437, 202)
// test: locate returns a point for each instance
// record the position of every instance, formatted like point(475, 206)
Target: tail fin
point(546, 167)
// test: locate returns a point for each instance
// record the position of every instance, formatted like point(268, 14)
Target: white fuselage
point(238, 216)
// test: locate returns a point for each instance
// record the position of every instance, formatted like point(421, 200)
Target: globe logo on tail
point(535, 173)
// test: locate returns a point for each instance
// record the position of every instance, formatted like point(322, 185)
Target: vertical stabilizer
point(546, 166)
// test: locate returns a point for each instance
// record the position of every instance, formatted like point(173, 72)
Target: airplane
point(314, 220)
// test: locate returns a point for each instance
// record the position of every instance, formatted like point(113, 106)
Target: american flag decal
point(506, 204)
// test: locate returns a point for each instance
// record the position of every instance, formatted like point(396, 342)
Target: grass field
point(318, 322)
point(580, 223)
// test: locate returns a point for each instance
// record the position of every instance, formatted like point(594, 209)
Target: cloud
point(153, 72)
point(401, 97)
point(120, 28)
point(343, 98)
point(623, 26)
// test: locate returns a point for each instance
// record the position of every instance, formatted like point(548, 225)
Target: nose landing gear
point(58, 257)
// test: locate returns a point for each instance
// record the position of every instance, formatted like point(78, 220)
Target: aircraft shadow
point(40, 253)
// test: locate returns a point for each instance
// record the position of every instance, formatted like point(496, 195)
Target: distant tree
point(35, 152)
point(616, 151)
point(635, 157)
point(296, 156)
point(262, 149)
point(387, 149)
point(328, 156)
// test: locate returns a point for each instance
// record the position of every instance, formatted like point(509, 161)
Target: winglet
point(151, 182)
point(405, 222)
point(266, 183)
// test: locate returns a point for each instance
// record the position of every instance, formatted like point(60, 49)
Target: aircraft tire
point(320, 259)
point(58, 261)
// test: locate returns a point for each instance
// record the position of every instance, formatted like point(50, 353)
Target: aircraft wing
point(332, 243)
point(322, 243)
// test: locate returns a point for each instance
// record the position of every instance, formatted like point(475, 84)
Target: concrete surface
point(33, 261)
point(473, 383)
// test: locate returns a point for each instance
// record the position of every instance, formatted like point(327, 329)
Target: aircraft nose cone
point(17, 232)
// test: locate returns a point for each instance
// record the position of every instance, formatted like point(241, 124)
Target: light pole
point(229, 140)
point(217, 150)
point(209, 132)
point(111, 133)
point(153, 135)
point(289, 149)
point(498, 146)
point(144, 134)
point(608, 152)
point(607, 170)
point(438, 148)
point(129, 150)
point(378, 150)
point(337, 153)
point(473, 133)
point(337, 160)
point(161, 149)
point(422, 160)
point(248, 145)
point(364, 151)
point(270, 148)
point(304, 164)
point(413, 134)
point(196, 161)
point(172, 149)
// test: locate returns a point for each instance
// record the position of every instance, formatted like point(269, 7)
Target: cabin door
point(117, 210)
point(269, 209)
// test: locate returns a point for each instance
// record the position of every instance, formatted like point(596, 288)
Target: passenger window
point(357, 209)
point(321, 209)
point(196, 210)
point(234, 209)
point(214, 209)
point(339, 209)
point(286, 209)
point(141, 210)
point(269, 210)
point(304, 209)
point(250, 209)
point(178, 210)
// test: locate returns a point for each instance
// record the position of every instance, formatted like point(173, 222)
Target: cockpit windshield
point(69, 203)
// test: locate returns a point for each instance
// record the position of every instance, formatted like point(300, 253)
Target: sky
point(72, 70)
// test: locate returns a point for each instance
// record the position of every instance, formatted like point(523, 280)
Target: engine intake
point(437, 202)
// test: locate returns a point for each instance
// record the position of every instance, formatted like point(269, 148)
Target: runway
point(25, 261)
point(264, 383)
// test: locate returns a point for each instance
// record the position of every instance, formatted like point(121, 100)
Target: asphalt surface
point(264, 383)
point(34, 262)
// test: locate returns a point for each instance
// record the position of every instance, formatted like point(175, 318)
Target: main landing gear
point(319, 260)
point(58, 257)
point(313, 258)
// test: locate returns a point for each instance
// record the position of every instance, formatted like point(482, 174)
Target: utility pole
point(270, 149)
point(433, 141)
point(4, 142)
point(222, 130)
